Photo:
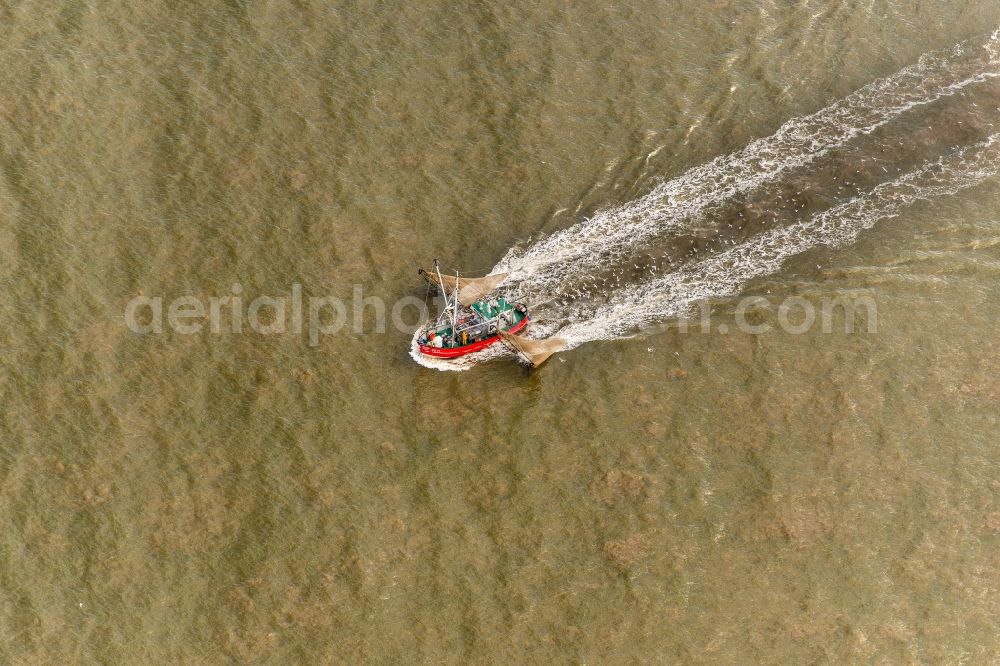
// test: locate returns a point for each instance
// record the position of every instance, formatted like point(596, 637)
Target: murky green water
point(698, 497)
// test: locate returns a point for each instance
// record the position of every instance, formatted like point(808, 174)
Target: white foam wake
point(727, 273)
point(613, 234)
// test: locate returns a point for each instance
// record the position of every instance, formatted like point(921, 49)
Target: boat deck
point(479, 338)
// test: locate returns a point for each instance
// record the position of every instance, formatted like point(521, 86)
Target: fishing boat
point(480, 312)
point(476, 312)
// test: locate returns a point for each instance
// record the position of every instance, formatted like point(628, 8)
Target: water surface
point(652, 495)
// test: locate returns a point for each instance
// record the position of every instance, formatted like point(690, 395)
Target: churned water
point(769, 233)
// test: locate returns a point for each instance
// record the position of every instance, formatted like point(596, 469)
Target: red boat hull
point(455, 352)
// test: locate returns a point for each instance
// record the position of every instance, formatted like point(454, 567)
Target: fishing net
point(470, 290)
point(534, 351)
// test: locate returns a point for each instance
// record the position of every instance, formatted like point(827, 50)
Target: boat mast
point(454, 313)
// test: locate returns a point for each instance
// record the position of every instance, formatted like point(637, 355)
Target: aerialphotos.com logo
point(319, 316)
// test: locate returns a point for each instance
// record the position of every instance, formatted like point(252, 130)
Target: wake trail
point(594, 280)
point(611, 235)
point(728, 272)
